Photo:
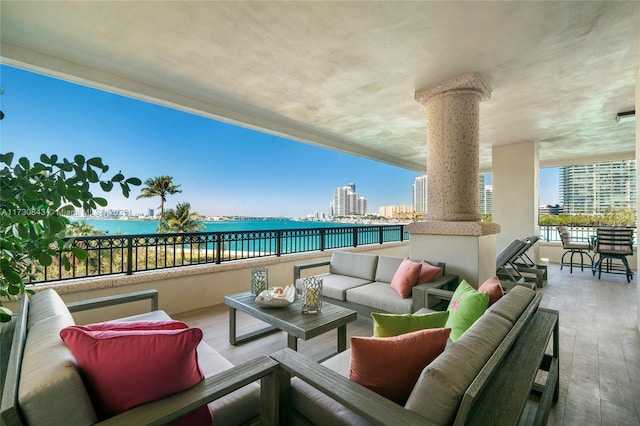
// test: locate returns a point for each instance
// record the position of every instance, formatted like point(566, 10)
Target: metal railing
point(578, 233)
point(118, 254)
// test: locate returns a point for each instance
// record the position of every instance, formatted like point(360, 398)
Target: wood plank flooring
point(599, 345)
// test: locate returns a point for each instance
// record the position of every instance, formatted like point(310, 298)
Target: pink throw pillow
point(405, 278)
point(134, 325)
point(390, 366)
point(428, 272)
point(493, 287)
point(126, 368)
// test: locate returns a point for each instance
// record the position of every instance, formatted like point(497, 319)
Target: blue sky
point(222, 169)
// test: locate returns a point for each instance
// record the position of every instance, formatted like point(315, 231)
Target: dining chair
point(613, 244)
point(572, 248)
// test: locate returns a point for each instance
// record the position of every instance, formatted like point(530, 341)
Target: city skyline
point(223, 169)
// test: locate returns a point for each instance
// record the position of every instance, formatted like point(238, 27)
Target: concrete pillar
point(453, 128)
point(453, 232)
point(515, 172)
point(638, 180)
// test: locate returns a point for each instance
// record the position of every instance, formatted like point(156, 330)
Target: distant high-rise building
point(347, 202)
point(150, 213)
point(593, 188)
point(420, 194)
point(402, 212)
point(487, 204)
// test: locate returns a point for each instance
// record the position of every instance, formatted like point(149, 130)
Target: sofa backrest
point(50, 390)
point(387, 267)
point(358, 265)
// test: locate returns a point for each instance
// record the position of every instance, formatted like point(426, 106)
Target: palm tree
point(160, 186)
point(182, 219)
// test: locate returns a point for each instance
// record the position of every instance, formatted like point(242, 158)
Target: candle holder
point(311, 295)
point(259, 279)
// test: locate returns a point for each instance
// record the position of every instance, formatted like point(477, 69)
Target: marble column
point(452, 231)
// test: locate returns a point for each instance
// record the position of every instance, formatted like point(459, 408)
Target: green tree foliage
point(182, 219)
point(33, 198)
point(82, 228)
point(611, 217)
point(160, 186)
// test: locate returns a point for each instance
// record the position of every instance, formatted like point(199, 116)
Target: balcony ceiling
point(342, 75)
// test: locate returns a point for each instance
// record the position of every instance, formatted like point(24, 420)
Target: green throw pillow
point(466, 306)
point(388, 325)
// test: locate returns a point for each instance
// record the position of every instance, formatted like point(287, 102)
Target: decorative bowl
point(273, 298)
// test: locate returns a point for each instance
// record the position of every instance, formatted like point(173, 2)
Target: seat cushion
point(513, 304)
point(387, 267)
point(380, 296)
point(335, 286)
point(441, 385)
point(356, 265)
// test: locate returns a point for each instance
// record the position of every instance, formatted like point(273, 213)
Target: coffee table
point(289, 319)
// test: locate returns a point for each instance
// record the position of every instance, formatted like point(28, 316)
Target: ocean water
point(131, 227)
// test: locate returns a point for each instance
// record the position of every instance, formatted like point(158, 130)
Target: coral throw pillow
point(405, 277)
point(493, 287)
point(466, 306)
point(389, 325)
point(428, 272)
point(129, 367)
point(390, 366)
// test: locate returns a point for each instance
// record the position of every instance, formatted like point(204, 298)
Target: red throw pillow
point(428, 272)
point(405, 278)
point(390, 366)
point(493, 287)
point(126, 368)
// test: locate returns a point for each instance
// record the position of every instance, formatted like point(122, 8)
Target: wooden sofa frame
point(157, 412)
point(501, 391)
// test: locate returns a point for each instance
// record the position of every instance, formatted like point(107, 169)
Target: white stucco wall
point(515, 170)
point(195, 287)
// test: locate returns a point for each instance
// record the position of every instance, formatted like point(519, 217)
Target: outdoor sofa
point(362, 282)
point(43, 385)
point(486, 376)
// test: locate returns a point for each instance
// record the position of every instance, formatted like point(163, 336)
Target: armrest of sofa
point(211, 388)
point(100, 302)
point(298, 268)
point(366, 403)
point(422, 296)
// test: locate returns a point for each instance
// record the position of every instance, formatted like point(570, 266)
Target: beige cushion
point(441, 386)
point(380, 296)
point(512, 305)
point(353, 264)
point(387, 267)
point(319, 409)
point(51, 390)
point(336, 286)
point(47, 304)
